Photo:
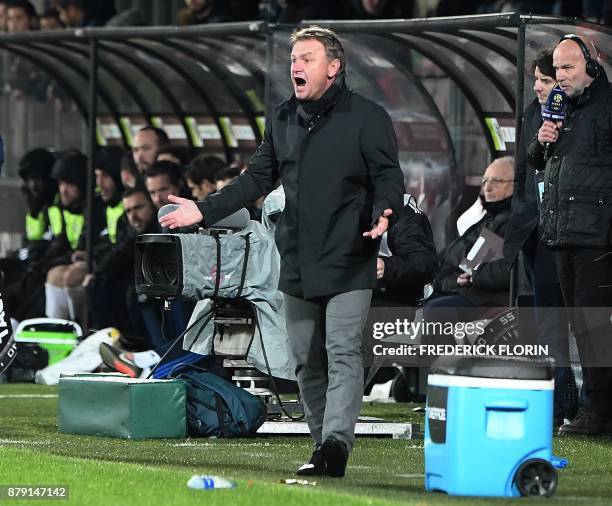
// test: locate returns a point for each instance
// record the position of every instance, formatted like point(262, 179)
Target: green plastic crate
point(58, 337)
point(122, 407)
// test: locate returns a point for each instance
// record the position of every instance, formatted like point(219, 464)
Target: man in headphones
point(576, 218)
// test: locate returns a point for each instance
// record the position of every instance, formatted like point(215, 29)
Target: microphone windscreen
point(554, 110)
point(167, 209)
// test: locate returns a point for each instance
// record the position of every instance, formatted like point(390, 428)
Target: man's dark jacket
point(525, 212)
point(491, 281)
point(413, 262)
point(577, 203)
point(338, 177)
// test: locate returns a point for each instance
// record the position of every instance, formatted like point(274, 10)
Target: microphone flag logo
point(554, 110)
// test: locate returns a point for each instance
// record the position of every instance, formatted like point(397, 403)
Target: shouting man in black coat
point(327, 233)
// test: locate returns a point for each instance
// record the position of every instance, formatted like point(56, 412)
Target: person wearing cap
point(107, 169)
point(63, 295)
point(107, 282)
point(26, 296)
point(66, 218)
point(39, 190)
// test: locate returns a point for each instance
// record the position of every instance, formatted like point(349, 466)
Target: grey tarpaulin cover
point(260, 288)
point(273, 206)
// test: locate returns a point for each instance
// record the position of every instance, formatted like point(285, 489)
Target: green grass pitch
point(105, 472)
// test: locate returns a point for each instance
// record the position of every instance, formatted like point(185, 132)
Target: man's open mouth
point(300, 82)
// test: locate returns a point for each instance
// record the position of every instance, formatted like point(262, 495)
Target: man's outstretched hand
point(381, 227)
point(187, 214)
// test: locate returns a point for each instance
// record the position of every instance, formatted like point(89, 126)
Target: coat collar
point(309, 112)
point(599, 84)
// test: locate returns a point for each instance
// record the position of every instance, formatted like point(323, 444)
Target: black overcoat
point(338, 178)
point(525, 211)
point(491, 281)
point(576, 210)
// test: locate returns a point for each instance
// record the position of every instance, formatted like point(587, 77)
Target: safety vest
point(36, 226)
point(112, 217)
point(74, 224)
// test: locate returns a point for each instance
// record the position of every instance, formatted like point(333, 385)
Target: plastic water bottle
point(206, 482)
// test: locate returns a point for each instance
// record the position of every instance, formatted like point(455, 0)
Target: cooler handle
point(508, 405)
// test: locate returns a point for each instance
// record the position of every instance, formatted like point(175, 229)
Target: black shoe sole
point(336, 457)
point(577, 432)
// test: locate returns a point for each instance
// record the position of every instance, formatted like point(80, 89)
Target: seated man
point(489, 284)
point(65, 296)
point(67, 223)
point(408, 262)
point(39, 190)
point(110, 287)
point(25, 270)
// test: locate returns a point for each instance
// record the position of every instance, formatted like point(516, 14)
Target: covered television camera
point(223, 266)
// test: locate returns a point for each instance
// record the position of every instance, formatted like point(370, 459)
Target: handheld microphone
point(554, 109)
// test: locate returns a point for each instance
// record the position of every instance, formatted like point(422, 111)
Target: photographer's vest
point(112, 217)
point(72, 223)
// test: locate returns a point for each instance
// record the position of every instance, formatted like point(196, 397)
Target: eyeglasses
point(495, 181)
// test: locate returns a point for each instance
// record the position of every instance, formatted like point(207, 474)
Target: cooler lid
point(483, 367)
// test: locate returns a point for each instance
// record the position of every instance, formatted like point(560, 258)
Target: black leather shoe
point(335, 454)
point(586, 424)
point(557, 423)
point(315, 467)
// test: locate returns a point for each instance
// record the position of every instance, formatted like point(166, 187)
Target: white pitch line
point(28, 396)
point(20, 442)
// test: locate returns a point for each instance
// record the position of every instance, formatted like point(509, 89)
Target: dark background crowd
point(53, 14)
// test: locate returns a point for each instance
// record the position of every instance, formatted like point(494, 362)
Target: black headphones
point(593, 68)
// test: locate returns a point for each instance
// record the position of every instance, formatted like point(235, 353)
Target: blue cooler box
point(488, 429)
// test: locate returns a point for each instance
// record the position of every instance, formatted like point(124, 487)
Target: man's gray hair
point(505, 160)
point(331, 43)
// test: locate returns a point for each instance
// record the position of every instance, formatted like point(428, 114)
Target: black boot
point(586, 424)
point(315, 466)
point(335, 454)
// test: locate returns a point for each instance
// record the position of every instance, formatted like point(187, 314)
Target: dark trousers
point(585, 275)
point(551, 320)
